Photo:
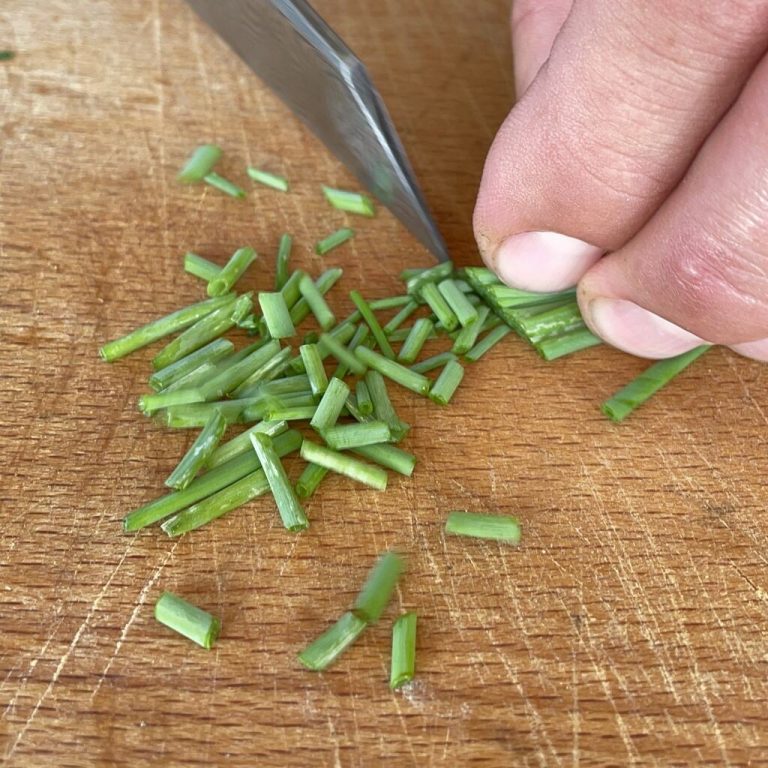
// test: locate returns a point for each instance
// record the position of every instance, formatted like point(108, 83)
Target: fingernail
point(544, 261)
point(629, 327)
point(757, 350)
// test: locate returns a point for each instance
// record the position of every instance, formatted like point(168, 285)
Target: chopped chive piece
point(199, 452)
point(330, 406)
point(352, 202)
point(291, 412)
point(463, 285)
point(324, 283)
point(313, 365)
point(382, 405)
point(288, 385)
point(197, 414)
point(509, 298)
point(200, 267)
point(371, 321)
point(344, 436)
point(265, 404)
point(443, 312)
point(360, 335)
point(199, 164)
point(311, 337)
point(231, 272)
point(242, 442)
point(212, 481)
point(398, 373)
point(7, 55)
point(210, 353)
point(415, 340)
point(280, 183)
point(430, 363)
point(467, 336)
point(574, 341)
point(326, 648)
point(181, 616)
point(342, 464)
point(391, 302)
point(401, 334)
point(650, 381)
point(164, 326)
point(389, 456)
point(317, 303)
point(224, 185)
point(551, 322)
point(290, 290)
point(363, 398)
point(270, 370)
point(403, 665)
point(309, 480)
point(351, 409)
point(203, 331)
point(233, 375)
point(288, 504)
point(378, 588)
point(154, 402)
point(407, 274)
point(333, 240)
point(401, 317)
point(276, 315)
point(497, 527)
point(341, 353)
point(458, 302)
point(447, 383)
point(490, 340)
point(283, 258)
point(435, 274)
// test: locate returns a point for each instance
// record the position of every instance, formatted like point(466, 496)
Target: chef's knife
point(307, 64)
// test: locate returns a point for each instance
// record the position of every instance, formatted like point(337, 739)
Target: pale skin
point(635, 164)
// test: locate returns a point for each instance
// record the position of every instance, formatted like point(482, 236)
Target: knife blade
point(289, 46)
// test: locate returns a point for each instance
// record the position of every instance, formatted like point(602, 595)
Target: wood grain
point(629, 629)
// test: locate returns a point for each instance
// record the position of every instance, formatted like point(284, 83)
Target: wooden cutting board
point(629, 627)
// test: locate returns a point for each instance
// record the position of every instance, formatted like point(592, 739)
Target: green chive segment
point(398, 373)
point(283, 258)
point(181, 616)
point(351, 202)
point(224, 185)
point(333, 240)
point(324, 650)
point(200, 267)
point(345, 436)
point(199, 452)
point(272, 180)
point(199, 164)
point(403, 665)
point(276, 315)
point(231, 272)
point(370, 320)
point(342, 464)
point(496, 527)
point(447, 383)
point(378, 588)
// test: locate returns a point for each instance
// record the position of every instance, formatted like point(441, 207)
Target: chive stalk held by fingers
point(467, 336)
point(276, 315)
point(447, 383)
point(415, 340)
point(313, 365)
point(372, 322)
point(403, 665)
point(333, 240)
point(342, 464)
point(210, 353)
point(346, 358)
point(199, 452)
point(407, 310)
point(181, 616)
point(552, 322)
point(224, 185)
point(301, 309)
point(283, 257)
point(437, 303)
point(231, 272)
point(150, 403)
point(497, 527)
point(200, 267)
point(351, 202)
point(490, 340)
point(566, 344)
point(317, 303)
point(199, 164)
point(341, 437)
point(436, 361)
point(280, 183)
point(363, 398)
point(242, 442)
point(433, 275)
point(325, 649)
point(164, 326)
point(330, 406)
point(309, 480)
point(398, 373)
point(378, 588)
point(634, 394)
point(458, 302)
point(288, 504)
point(389, 456)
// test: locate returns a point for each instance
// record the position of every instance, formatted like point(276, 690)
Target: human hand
point(641, 132)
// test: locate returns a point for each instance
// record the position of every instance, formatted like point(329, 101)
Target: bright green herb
point(231, 272)
point(552, 322)
point(283, 258)
point(317, 303)
point(276, 315)
point(420, 332)
point(382, 405)
point(199, 164)
point(341, 437)
point(154, 402)
point(324, 283)
point(309, 480)
point(403, 665)
point(390, 302)
point(197, 414)
point(401, 317)
point(181, 616)
point(333, 240)
point(242, 442)
point(290, 290)
point(270, 370)
point(430, 363)
point(490, 340)
point(566, 344)
point(346, 358)
point(352, 202)
point(509, 298)
point(359, 337)
point(342, 464)
point(264, 405)
point(442, 310)
point(272, 180)
point(363, 398)
point(650, 381)
point(370, 320)
point(288, 385)
point(330, 406)
point(224, 185)
point(447, 383)
point(232, 376)
point(164, 326)
point(210, 353)
point(398, 373)
point(401, 334)
point(324, 650)
point(467, 336)
point(389, 456)
point(434, 274)
point(458, 302)
point(200, 267)
point(497, 527)
point(283, 412)
point(199, 452)
point(378, 588)
point(313, 365)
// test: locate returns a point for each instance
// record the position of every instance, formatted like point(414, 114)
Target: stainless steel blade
point(302, 59)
